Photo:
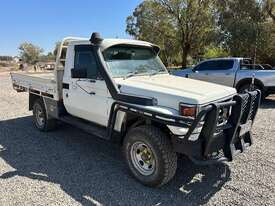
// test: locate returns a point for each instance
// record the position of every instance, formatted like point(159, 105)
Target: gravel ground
point(69, 167)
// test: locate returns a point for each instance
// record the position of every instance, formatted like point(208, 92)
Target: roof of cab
point(107, 43)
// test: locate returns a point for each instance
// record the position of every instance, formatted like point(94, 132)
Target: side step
point(86, 126)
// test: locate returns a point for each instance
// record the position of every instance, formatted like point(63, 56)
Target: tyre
point(149, 155)
point(41, 121)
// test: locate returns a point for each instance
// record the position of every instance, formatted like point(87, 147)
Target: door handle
point(92, 93)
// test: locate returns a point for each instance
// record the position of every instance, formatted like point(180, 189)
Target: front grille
point(249, 107)
point(245, 107)
point(254, 106)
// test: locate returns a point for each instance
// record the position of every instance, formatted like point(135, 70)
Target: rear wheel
point(149, 155)
point(41, 121)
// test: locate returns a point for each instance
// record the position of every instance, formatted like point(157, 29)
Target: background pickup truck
point(233, 72)
point(117, 89)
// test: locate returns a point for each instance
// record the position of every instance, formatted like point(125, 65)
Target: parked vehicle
point(239, 73)
point(119, 90)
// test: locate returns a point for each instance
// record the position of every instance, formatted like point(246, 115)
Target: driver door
point(87, 97)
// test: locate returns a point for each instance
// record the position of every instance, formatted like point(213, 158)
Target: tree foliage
point(30, 53)
point(46, 58)
point(149, 22)
point(180, 26)
point(242, 24)
point(205, 28)
point(269, 5)
point(215, 52)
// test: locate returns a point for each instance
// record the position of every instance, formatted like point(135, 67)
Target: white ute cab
point(119, 90)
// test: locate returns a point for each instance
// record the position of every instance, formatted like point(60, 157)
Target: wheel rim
point(39, 115)
point(143, 158)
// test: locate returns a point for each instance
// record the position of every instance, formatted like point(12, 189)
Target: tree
point(202, 28)
point(6, 58)
point(270, 8)
point(48, 57)
point(149, 22)
point(266, 53)
point(30, 53)
point(242, 24)
point(215, 52)
point(179, 26)
point(194, 22)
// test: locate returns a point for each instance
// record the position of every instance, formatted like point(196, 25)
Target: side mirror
point(79, 73)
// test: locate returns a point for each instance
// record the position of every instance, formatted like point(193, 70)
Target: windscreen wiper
point(130, 74)
point(156, 72)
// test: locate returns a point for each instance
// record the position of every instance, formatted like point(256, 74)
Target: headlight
point(188, 110)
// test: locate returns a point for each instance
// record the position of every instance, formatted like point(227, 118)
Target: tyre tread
point(164, 144)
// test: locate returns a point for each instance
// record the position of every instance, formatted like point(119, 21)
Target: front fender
point(121, 117)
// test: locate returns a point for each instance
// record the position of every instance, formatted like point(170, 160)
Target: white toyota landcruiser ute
point(119, 90)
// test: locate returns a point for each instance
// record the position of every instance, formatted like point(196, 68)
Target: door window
point(215, 65)
point(85, 60)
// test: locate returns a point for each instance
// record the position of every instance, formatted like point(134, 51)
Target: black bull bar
point(225, 140)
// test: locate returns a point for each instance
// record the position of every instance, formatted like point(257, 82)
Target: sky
point(45, 22)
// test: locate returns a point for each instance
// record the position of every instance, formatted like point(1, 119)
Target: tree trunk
point(269, 9)
point(184, 58)
point(165, 59)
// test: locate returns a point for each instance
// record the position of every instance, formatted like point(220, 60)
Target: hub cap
point(143, 158)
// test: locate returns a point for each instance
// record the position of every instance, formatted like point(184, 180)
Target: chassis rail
point(216, 143)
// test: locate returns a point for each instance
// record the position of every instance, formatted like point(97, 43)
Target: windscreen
point(130, 60)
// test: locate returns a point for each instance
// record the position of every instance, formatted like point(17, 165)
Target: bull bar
point(225, 141)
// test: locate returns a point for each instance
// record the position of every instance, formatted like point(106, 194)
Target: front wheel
point(149, 155)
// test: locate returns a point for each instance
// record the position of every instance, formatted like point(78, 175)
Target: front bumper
point(217, 143)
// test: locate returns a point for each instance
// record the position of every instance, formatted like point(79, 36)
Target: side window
point(203, 66)
point(226, 64)
point(215, 65)
point(85, 60)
